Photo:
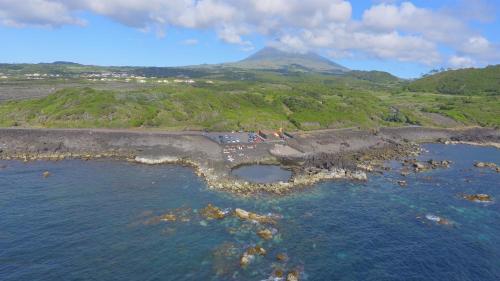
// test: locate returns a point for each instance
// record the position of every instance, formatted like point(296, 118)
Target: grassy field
point(260, 100)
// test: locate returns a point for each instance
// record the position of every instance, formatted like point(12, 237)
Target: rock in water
point(438, 219)
point(419, 166)
point(402, 183)
point(245, 215)
point(278, 273)
point(485, 165)
point(405, 172)
point(212, 212)
point(265, 234)
point(257, 250)
point(292, 276)
point(249, 255)
point(246, 259)
point(281, 257)
point(478, 197)
point(46, 174)
point(242, 214)
point(168, 217)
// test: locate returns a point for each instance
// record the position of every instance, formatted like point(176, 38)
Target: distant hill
point(471, 81)
point(274, 59)
point(268, 61)
point(373, 76)
point(66, 63)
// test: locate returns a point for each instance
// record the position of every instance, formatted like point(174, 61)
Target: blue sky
point(404, 38)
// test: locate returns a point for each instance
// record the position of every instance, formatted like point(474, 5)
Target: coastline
point(312, 156)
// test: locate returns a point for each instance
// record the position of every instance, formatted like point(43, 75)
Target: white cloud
point(43, 13)
point(291, 43)
point(477, 45)
point(409, 18)
point(387, 45)
point(439, 27)
point(461, 62)
point(232, 34)
point(389, 29)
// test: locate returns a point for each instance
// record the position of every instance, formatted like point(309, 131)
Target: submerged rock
point(265, 234)
point(168, 217)
point(439, 164)
point(419, 167)
point(281, 257)
point(405, 172)
point(258, 250)
point(278, 273)
point(212, 212)
point(249, 255)
point(292, 276)
point(485, 165)
point(245, 215)
point(444, 221)
point(438, 219)
point(246, 259)
point(223, 258)
point(478, 197)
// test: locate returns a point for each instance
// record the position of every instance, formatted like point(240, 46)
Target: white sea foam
point(433, 218)
point(156, 160)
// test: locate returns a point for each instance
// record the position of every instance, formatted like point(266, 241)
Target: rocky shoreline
point(312, 156)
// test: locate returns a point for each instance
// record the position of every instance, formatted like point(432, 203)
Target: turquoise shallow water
point(95, 221)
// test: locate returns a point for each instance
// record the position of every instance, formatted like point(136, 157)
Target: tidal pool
point(262, 173)
point(105, 220)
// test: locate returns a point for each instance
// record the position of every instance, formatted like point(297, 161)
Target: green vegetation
point(484, 81)
point(447, 110)
point(271, 89)
point(265, 101)
point(374, 76)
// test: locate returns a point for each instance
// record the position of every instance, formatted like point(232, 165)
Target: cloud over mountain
point(386, 30)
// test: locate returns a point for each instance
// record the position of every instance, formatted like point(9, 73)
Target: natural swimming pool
point(262, 173)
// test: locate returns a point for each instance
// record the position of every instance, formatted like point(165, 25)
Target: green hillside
point(374, 76)
point(296, 91)
point(225, 107)
point(303, 102)
point(472, 81)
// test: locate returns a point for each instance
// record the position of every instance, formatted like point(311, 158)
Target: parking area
point(234, 138)
point(238, 152)
point(243, 146)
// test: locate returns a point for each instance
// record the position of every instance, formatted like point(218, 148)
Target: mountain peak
point(272, 58)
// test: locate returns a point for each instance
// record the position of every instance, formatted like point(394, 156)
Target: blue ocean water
point(95, 220)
